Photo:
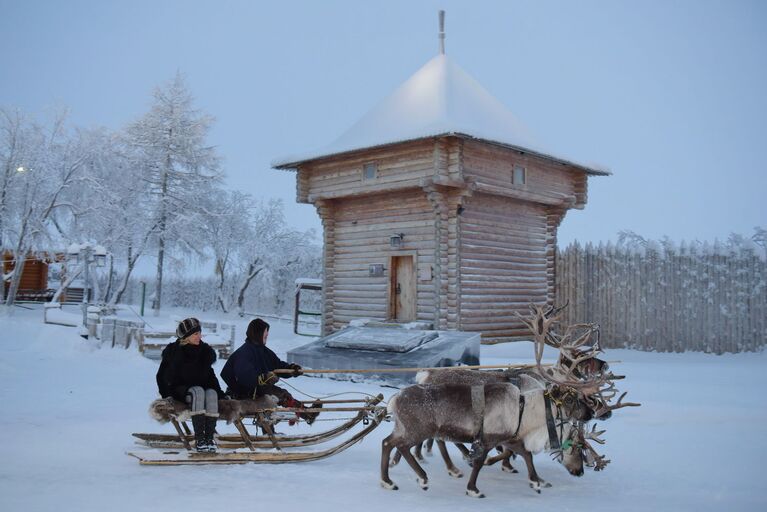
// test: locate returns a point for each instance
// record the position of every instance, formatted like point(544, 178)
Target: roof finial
point(442, 32)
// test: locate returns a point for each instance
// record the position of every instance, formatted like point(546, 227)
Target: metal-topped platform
point(393, 346)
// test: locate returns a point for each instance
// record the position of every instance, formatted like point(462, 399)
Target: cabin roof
point(439, 99)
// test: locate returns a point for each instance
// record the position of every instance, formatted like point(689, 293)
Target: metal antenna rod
point(442, 32)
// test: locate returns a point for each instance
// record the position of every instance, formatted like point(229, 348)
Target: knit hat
point(256, 330)
point(188, 327)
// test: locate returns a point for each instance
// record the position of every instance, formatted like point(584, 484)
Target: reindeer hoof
point(389, 486)
point(424, 484)
point(474, 494)
point(508, 470)
point(536, 486)
point(455, 473)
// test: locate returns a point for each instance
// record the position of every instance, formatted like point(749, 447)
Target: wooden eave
point(292, 166)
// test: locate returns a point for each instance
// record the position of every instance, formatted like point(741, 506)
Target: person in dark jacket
point(186, 374)
point(249, 372)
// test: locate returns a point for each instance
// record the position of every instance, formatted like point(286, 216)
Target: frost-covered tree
point(251, 242)
point(41, 197)
point(760, 238)
point(15, 139)
point(114, 209)
point(229, 223)
point(294, 255)
point(177, 166)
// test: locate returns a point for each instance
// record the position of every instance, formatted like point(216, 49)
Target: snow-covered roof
point(439, 99)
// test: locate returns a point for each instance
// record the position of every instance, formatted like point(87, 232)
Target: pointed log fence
point(702, 298)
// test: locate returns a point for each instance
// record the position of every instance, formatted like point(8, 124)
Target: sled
point(271, 448)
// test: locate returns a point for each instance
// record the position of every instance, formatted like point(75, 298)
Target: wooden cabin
point(34, 279)
point(438, 208)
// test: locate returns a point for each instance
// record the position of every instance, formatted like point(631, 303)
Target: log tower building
point(438, 208)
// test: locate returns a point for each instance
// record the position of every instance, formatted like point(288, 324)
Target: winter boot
point(200, 441)
point(309, 417)
point(293, 404)
point(210, 430)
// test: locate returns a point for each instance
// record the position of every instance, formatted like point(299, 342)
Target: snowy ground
point(69, 408)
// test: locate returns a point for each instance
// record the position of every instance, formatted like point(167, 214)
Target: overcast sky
point(670, 95)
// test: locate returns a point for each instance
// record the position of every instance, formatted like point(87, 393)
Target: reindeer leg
point(419, 452)
point(471, 488)
point(505, 456)
point(423, 479)
point(506, 465)
point(386, 447)
point(451, 469)
point(395, 460)
point(536, 482)
point(464, 452)
point(429, 445)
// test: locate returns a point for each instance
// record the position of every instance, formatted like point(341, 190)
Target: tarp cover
point(380, 339)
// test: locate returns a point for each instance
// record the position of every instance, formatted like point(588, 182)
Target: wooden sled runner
point(176, 449)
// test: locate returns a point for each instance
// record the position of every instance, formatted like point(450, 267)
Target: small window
point(519, 176)
point(369, 172)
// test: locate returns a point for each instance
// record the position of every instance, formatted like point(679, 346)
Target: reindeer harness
point(554, 443)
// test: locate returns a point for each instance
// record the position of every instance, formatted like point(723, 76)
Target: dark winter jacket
point(241, 372)
point(184, 366)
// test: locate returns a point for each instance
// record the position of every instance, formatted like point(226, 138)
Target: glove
point(297, 370)
point(267, 378)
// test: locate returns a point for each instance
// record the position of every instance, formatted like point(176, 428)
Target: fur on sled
point(165, 409)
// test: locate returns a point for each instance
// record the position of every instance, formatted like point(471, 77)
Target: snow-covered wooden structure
point(438, 207)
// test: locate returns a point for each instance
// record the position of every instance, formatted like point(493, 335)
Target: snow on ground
point(69, 408)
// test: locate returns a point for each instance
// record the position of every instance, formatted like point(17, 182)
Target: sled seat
point(170, 410)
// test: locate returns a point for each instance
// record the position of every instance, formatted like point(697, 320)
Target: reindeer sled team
point(518, 411)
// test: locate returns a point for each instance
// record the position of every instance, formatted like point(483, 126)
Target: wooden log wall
point(668, 301)
point(362, 228)
point(503, 264)
point(326, 211)
point(494, 165)
point(399, 167)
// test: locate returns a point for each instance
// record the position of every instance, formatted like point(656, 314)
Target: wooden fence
point(669, 300)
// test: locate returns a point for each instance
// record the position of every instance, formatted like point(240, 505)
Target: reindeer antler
point(618, 405)
point(593, 459)
point(540, 324)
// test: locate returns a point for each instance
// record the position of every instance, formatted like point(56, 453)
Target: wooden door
point(402, 290)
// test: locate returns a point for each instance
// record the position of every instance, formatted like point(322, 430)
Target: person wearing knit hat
point(186, 374)
point(249, 371)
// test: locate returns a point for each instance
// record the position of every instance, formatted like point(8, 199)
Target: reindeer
point(574, 358)
point(570, 455)
point(450, 412)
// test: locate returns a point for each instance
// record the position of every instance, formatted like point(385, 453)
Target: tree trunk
point(110, 279)
point(220, 271)
point(161, 250)
point(2, 274)
point(252, 273)
point(124, 283)
point(18, 270)
point(158, 289)
point(64, 285)
point(18, 266)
